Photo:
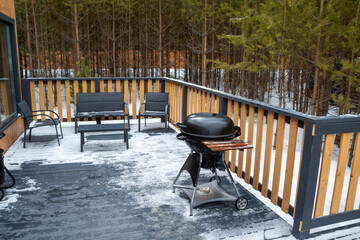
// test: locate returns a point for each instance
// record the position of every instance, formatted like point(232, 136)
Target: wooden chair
point(30, 123)
point(156, 105)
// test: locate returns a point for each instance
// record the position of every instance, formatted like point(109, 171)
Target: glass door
point(7, 89)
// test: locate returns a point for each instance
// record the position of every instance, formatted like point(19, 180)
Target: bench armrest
point(166, 108)
point(127, 108)
point(142, 104)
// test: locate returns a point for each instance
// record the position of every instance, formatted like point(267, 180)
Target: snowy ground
point(150, 165)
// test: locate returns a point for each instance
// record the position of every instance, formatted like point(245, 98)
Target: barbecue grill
point(208, 135)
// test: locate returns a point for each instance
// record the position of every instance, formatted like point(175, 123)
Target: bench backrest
point(156, 101)
point(97, 102)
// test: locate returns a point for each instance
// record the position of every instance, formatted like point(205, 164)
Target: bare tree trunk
point(113, 40)
point(204, 48)
point(160, 40)
point(36, 39)
point(31, 69)
point(317, 61)
point(77, 40)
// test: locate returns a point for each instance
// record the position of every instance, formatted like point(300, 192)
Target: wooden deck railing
point(291, 159)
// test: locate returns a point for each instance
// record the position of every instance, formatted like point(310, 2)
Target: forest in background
point(305, 51)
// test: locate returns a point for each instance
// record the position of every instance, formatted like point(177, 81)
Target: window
point(7, 88)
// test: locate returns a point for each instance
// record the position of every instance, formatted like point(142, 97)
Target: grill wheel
point(241, 203)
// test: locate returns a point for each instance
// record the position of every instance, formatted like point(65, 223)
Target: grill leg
point(230, 176)
point(177, 177)
point(194, 191)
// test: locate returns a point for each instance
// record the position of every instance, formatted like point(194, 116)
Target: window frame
point(4, 19)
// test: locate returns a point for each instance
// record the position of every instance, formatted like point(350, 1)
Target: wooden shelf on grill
point(219, 146)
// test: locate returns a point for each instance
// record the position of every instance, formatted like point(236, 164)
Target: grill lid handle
point(181, 137)
point(180, 125)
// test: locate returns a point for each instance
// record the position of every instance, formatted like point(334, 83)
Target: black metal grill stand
point(206, 192)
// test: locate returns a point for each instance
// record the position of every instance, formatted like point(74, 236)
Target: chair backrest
point(156, 101)
point(26, 111)
point(97, 102)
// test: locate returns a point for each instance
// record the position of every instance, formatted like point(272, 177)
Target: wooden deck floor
point(108, 192)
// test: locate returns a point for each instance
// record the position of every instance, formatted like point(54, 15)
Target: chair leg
point(145, 121)
point(76, 125)
point(30, 134)
point(62, 135)
point(57, 135)
point(24, 137)
point(139, 123)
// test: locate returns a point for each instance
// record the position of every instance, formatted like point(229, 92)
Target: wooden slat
point(354, 176)
point(149, 81)
point(133, 85)
point(212, 109)
point(236, 123)
point(199, 101)
point(118, 85)
point(259, 134)
point(289, 172)
point(41, 97)
point(340, 172)
point(102, 86)
point(126, 92)
point(324, 175)
point(240, 162)
point(250, 141)
point(84, 86)
point(59, 99)
point(278, 158)
point(92, 86)
point(76, 89)
point(217, 104)
point(195, 101)
point(110, 86)
point(33, 97)
point(208, 102)
point(118, 89)
point(157, 86)
point(172, 102)
point(51, 98)
point(203, 100)
point(181, 103)
point(231, 148)
point(67, 100)
point(301, 154)
point(229, 114)
point(268, 150)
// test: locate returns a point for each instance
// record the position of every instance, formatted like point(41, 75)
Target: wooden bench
point(100, 105)
point(104, 128)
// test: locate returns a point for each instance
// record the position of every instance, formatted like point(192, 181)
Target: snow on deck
point(108, 192)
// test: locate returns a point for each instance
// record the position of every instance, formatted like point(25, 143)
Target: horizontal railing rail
point(292, 154)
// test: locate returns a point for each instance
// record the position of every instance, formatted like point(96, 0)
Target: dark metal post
point(25, 87)
point(307, 182)
point(97, 85)
point(162, 85)
point(223, 105)
point(184, 102)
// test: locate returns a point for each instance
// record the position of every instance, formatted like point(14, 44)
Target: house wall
point(13, 131)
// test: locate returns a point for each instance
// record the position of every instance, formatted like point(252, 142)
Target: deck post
point(97, 85)
point(223, 105)
point(184, 102)
point(25, 90)
point(307, 182)
point(162, 85)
